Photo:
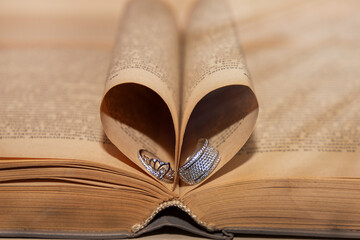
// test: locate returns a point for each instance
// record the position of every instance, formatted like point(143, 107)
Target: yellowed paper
point(140, 109)
point(146, 98)
point(51, 87)
point(308, 126)
point(218, 98)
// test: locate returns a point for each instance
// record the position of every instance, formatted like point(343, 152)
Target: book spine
point(172, 203)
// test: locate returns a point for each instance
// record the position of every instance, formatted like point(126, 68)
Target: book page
point(218, 100)
point(59, 172)
point(52, 73)
point(308, 87)
point(300, 169)
point(140, 109)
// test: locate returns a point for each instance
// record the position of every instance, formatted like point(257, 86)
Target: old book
point(77, 107)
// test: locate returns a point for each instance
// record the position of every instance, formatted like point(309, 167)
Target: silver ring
point(161, 170)
point(200, 163)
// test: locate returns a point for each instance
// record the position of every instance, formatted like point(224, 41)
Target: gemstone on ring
point(200, 163)
point(159, 169)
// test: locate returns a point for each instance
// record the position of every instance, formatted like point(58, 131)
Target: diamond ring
point(161, 170)
point(200, 163)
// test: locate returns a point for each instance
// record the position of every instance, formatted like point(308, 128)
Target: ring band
point(161, 170)
point(200, 163)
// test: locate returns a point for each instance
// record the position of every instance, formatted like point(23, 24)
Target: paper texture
point(50, 106)
point(218, 100)
point(300, 168)
point(140, 109)
point(302, 157)
point(198, 84)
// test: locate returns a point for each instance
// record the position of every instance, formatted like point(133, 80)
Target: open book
point(76, 116)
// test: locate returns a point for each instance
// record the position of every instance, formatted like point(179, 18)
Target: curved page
point(140, 105)
point(217, 98)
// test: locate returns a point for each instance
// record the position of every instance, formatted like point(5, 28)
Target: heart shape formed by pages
point(152, 103)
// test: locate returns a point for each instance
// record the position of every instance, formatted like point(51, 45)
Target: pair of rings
point(196, 168)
